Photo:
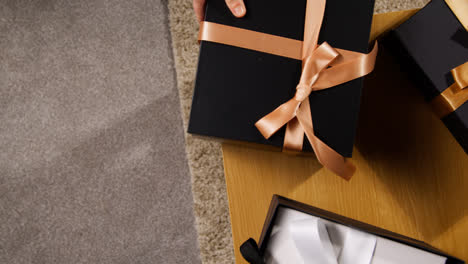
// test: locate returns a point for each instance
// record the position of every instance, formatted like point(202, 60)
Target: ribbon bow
point(454, 96)
point(322, 67)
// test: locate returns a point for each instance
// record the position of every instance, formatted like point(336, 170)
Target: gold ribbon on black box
point(322, 67)
point(457, 94)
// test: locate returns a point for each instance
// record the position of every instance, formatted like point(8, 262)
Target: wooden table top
point(412, 175)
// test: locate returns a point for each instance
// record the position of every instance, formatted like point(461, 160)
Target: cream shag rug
point(205, 157)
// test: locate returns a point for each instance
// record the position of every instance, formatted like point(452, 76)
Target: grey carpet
point(92, 160)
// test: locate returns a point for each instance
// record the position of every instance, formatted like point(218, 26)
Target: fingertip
point(237, 7)
point(239, 10)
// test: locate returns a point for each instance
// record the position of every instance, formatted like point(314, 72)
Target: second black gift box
point(429, 46)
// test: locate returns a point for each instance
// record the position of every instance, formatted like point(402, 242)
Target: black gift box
point(429, 45)
point(248, 251)
point(235, 87)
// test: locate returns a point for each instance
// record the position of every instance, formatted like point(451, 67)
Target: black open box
point(279, 202)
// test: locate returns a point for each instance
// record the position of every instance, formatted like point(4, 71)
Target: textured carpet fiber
point(205, 158)
point(92, 163)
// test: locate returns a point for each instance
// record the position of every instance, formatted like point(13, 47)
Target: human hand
point(237, 8)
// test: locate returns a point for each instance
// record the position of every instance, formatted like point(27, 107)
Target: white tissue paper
point(301, 238)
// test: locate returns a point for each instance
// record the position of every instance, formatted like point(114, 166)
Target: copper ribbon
point(456, 95)
point(322, 67)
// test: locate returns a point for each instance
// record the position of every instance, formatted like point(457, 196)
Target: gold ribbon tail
point(327, 156)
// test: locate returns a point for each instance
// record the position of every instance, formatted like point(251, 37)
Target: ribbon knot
point(314, 64)
point(302, 92)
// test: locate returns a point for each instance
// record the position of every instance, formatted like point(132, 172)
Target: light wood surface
point(412, 175)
